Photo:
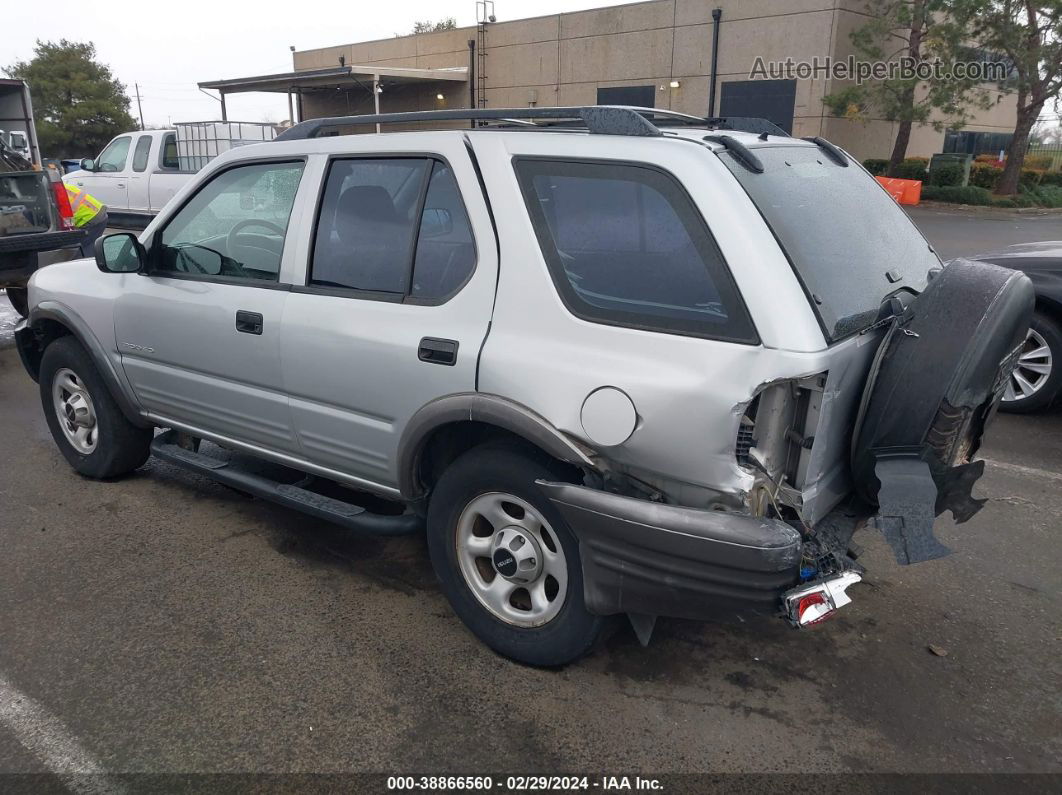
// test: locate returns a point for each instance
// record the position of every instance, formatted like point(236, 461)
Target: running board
point(345, 514)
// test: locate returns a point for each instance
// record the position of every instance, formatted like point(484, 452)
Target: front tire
point(507, 561)
point(86, 423)
point(1037, 376)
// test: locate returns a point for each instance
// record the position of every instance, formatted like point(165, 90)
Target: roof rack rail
point(601, 119)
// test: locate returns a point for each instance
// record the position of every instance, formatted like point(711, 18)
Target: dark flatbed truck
point(36, 222)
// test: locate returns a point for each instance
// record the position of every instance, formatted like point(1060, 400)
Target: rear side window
point(140, 154)
point(626, 246)
point(393, 228)
point(169, 152)
point(446, 252)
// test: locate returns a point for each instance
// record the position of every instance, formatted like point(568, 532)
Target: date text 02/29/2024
point(522, 783)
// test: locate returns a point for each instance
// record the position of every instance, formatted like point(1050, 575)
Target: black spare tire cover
point(935, 383)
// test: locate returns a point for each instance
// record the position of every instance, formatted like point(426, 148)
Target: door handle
point(437, 351)
point(121, 184)
point(248, 322)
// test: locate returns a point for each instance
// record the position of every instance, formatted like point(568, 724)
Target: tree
point(1029, 34)
point(449, 23)
point(78, 104)
point(919, 31)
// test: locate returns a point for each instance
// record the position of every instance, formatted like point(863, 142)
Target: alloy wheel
point(1032, 370)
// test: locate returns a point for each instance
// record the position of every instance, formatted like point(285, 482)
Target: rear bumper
point(666, 560)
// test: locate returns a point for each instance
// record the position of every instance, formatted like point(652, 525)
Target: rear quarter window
point(626, 246)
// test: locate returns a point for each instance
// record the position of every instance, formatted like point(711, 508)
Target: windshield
point(849, 242)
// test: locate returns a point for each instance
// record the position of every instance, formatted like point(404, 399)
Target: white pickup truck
point(135, 175)
point(138, 172)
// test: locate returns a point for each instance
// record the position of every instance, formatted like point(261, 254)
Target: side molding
point(487, 409)
point(116, 382)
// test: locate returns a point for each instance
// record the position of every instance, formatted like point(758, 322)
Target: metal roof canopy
point(333, 77)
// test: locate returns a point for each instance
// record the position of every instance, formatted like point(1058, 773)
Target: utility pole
point(140, 109)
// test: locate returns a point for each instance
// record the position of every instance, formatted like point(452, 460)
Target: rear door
point(140, 172)
point(395, 302)
point(167, 177)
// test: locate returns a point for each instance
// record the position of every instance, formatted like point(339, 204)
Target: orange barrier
point(905, 191)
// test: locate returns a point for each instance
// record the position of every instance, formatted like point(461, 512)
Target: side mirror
point(119, 253)
point(436, 222)
point(88, 164)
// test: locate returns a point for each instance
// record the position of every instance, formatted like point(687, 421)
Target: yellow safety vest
point(85, 207)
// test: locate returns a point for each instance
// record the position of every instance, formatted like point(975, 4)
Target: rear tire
point(19, 298)
point(86, 423)
point(1040, 388)
point(535, 613)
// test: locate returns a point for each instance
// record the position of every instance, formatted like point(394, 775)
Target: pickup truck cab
point(624, 362)
point(135, 175)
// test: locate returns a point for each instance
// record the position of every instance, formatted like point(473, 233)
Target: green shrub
point(911, 168)
point(984, 175)
point(946, 174)
point(1042, 196)
point(1051, 178)
point(876, 165)
point(957, 194)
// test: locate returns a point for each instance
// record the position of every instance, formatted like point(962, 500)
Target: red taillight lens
point(813, 609)
point(62, 201)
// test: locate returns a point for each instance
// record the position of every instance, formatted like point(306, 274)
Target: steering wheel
point(230, 240)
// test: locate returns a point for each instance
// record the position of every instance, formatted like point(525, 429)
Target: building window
point(773, 100)
point(638, 96)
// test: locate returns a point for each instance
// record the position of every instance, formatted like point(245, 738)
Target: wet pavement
point(168, 624)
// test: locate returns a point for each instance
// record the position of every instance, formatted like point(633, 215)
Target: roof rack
point(599, 119)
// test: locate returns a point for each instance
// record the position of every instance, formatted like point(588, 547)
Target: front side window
point(140, 154)
point(626, 246)
point(234, 227)
point(114, 156)
point(396, 228)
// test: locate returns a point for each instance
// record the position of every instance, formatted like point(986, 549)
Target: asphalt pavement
point(165, 624)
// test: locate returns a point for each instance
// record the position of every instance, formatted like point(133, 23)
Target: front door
point(110, 181)
point(199, 332)
point(395, 306)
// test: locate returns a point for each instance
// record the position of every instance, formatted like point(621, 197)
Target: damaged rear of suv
point(633, 363)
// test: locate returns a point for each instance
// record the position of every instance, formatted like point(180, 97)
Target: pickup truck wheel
point(507, 561)
point(19, 298)
point(1037, 376)
point(87, 425)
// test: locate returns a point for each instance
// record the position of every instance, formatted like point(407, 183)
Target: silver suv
point(613, 360)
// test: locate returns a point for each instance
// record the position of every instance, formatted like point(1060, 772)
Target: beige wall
point(563, 59)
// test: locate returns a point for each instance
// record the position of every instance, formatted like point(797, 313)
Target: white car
point(624, 361)
point(135, 175)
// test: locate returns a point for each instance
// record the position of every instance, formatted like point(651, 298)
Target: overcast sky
point(169, 47)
